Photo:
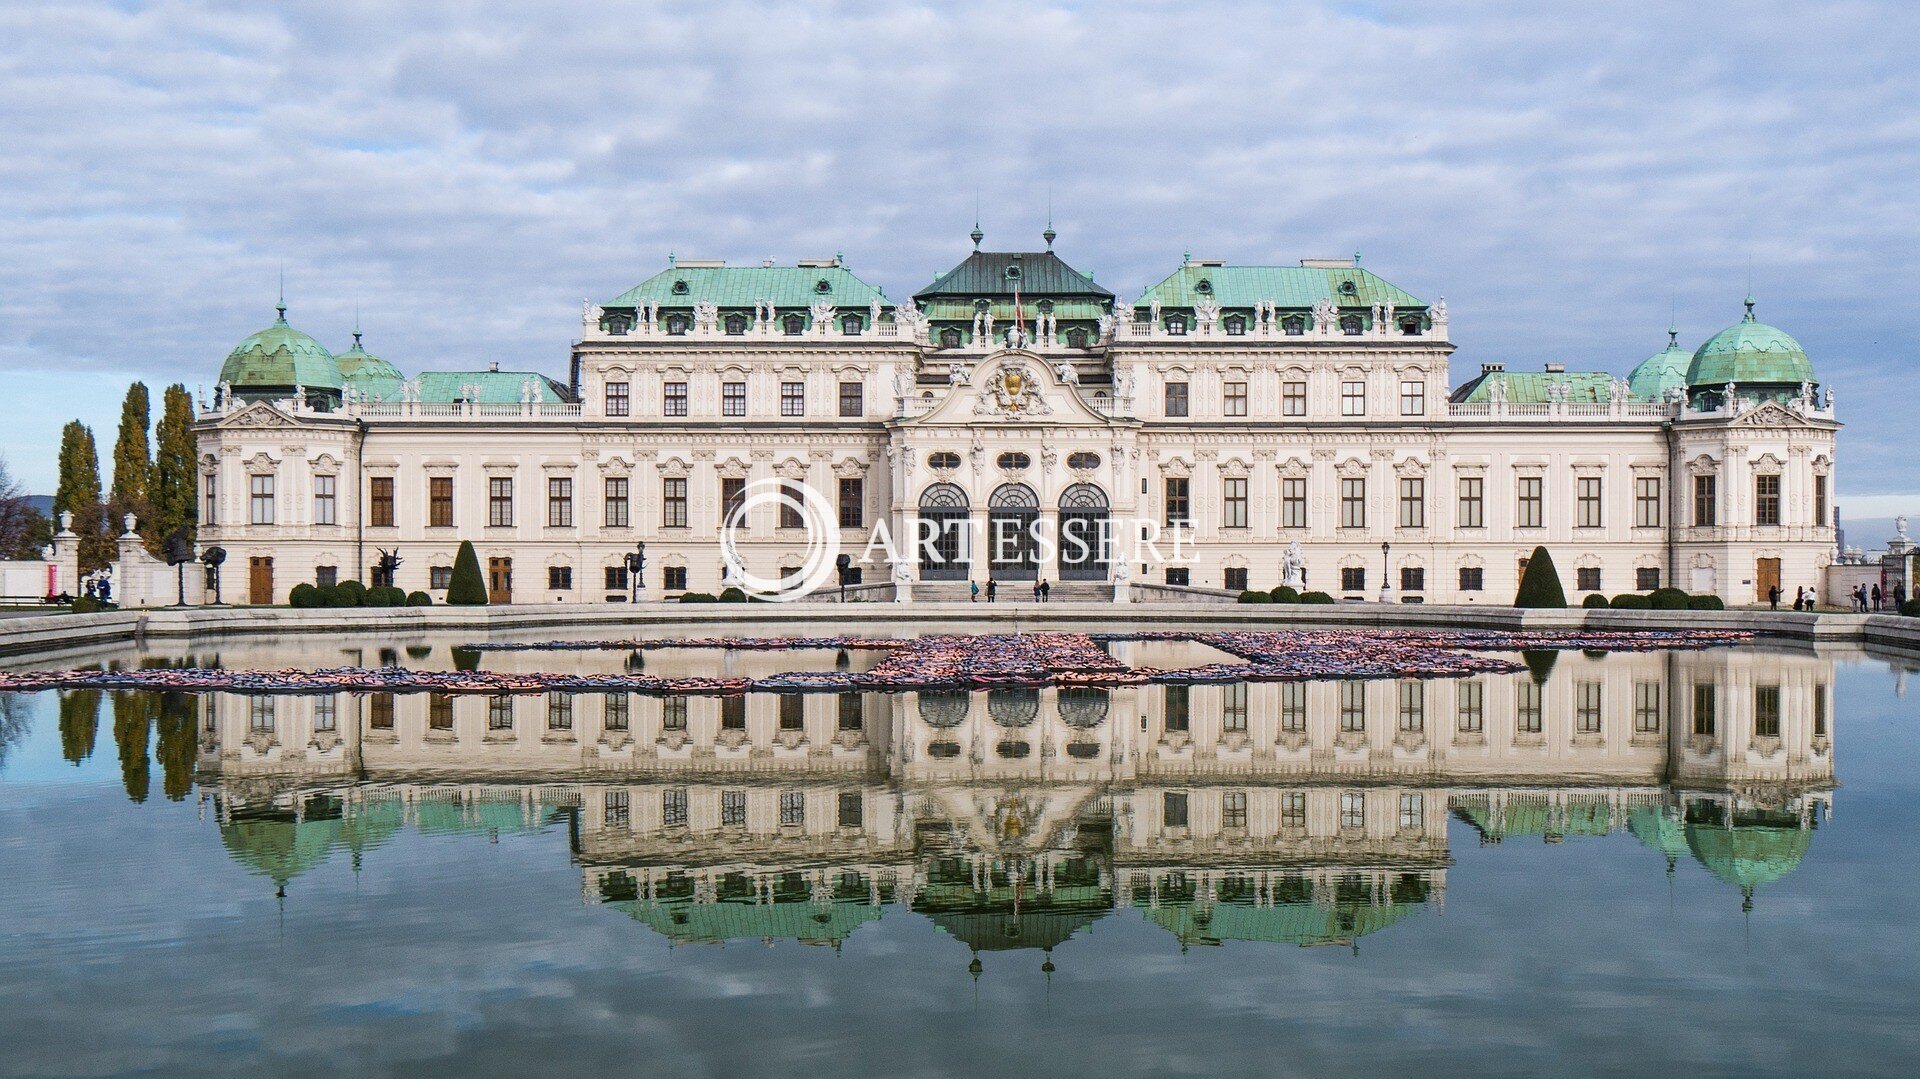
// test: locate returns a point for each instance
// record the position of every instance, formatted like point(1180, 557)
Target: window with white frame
point(1293, 502)
point(260, 499)
point(1646, 502)
point(1413, 397)
point(1413, 502)
point(1234, 399)
point(793, 398)
point(1353, 502)
point(1473, 502)
point(324, 502)
point(1531, 504)
point(1293, 398)
point(1353, 398)
point(1234, 497)
point(733, 398)
point(616, 501)
point(559, 502)
point(1587, 502)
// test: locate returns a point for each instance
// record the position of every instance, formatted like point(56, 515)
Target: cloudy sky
point(466, 175)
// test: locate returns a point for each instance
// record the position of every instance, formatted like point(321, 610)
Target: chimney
point(1492, 368)
point(1556, 369)
point(494, 366)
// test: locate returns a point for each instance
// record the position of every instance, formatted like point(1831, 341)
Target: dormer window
point(1176, 325)
point(850, 324)
point(679, 288)
point(950, 338)
point(1294, 326)
point(1351, 325)
point(736, 325)
point(1203, 286)
point(793, 325)
point(979, 307)
point(1348, 288)
point(1013, 273)
point(677, 325)
point(1236, 325)
point(823, 286)
point(619, 324)
point(1410, 326)
point(1077, 338)
point(1046, 307)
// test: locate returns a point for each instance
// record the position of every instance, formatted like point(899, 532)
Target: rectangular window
point(1353, 398)
point(1820, 515)
point(1173, 809)
point(616, 501)
point(1353, 706)
point(1470, 706)
point(1413, 398)
point(1353, 810)
point(616, 578)
point(439, 711)
point(1586, 502)
point(1234, 399)
point(559, 711)
point(559, 502)
point(1413, 502)
point(851, 715)
point(1293, 502)
point(500, 713)
point(853, 400)
point(1819, 709)
point(852, 809)
point(1766, 711)
point(673, 502)
point(1178, 707)
point(440, 577)
point(674, 578)
point(853, 502)
point(618, 403)
point(559, 578)
point(500, 502)
point(323, 501)
point(1177, 402)
point(260, 712)
point(1531, 510)
point(1413, 705)
point(1353, 502)
point(733, 398)
point(1587, 697)
point(1233, 809)
point(440, 502)
point(793, 711)
point(1233, 708)
point(673, 401)
point(793, 809)
point(1293, 809)
point(1646, 502)
point(1766, 500)
point(1413, 579)
point(327, 576)
point(261, 491)
point(733, 809)
point(618, 809)
point(1293, 707)
point(1234, 578)
point(1234, 494)
point(793, 398)
point(1706, 501)
point(325, 713)
point(1706, 713)
point(733, 713)
point(380, 501)
point(1178, 505)
point(1646, 578)
point(790, 502)
point(1472, 579)
point(1413, 813)
point(1473, 502)
point(1293, 398)
point(1527, 697)
point(673, 713)
point(1353, 579)
point(733, 495)
point(1587, 578)
point(1646, 708)
point(380, 711)
point(1179, 575)
point(673, 807)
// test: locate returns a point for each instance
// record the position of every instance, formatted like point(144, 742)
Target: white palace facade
point(1241, 409)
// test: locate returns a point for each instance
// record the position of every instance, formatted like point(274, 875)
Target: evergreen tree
point(468, 588)
point(1540, 585)
point(132, 459)
point(79, 723)
point(179, 744)
point(175, 477)
point(133, 735)
point(79, 494)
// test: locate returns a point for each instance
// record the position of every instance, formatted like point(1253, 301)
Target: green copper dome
point(1661, 372)
point(280, 357)
point(1750, 352)
point(371, 375)
point(1749, 855)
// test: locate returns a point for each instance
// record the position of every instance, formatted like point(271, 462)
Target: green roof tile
point(745, 286)
point(993, 274)
point(281, 357)
point(1288, 286)
point(1748, 352)
point(496, 387)
point(1530, 387)
point(1661, 372)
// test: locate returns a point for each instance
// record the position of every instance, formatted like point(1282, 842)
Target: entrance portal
point(260, 580)
point(1085, 533)
point(943, 533)
point(1012, 553)
point(499, 580)
point(1766, 577)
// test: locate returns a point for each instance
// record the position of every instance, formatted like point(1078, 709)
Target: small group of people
point(1041, 591)
point(1874, 598)
point(1802, 598)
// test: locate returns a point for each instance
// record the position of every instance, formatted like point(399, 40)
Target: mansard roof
point(1530, 387)
point(496, 387)
point(994, 275)
point(1303, 286)
point(687, 283)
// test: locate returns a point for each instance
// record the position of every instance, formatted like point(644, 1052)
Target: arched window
point(850, 324)
point(951, 338)
point(1083, 461)
point(1013, 496)
point(1077, 338)
point(677, 324)
point(1236, 325)
point(943, 459)
point(1294, 326)
point(1013, 707)
point(943, 496)
point(794, 325)
point(1351, 325)
point(736, 325)
point(944, 708)
point(1083, 707)
point(1014, 462)
point(1083, 496)
point(1176, 325)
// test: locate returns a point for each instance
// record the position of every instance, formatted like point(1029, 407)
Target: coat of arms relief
point(1012, 390)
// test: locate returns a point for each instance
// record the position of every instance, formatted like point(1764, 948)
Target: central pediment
point(1013, 386)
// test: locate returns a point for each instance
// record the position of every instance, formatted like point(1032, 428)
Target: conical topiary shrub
point(468, 588)
point(1540, 585)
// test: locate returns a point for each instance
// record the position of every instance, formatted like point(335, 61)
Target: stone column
point(64, 553)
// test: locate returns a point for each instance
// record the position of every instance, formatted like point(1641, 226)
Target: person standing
point(1773, 597)
point(1046, 590)
point(1899, 594)
point(993, 589)
point(973, 591)
point(1876, 598)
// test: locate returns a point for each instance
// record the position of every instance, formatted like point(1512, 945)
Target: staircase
point(1020, 592)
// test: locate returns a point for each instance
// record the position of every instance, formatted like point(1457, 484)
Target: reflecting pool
point(1646, 862)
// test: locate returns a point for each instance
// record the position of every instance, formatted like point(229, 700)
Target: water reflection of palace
point(1308, 813)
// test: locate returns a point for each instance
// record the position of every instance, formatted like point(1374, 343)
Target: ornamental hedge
point(1255, 597)
point(1540, 585)
point(1593, 601)
point(468, 588)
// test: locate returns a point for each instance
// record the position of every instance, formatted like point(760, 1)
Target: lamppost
point(636, 569)
point(1386, 573)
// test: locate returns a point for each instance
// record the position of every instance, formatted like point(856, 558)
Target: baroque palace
point(1224, 416)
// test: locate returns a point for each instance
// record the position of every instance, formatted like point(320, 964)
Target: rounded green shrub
point(696, 597)
point(1594, 600)
point(325, 595)
point(1285, 593)
point(1705, 603)
point(1255, 597)
point(419, 599)
point(304, 595)
point(349, 593)
point(1631, 601)
point(1911, 608)
point(732, 595)
point(1315, 597)
point(86, 605)
point(1667, 599)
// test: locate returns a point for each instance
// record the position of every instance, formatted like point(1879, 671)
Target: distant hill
point(43, 503)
